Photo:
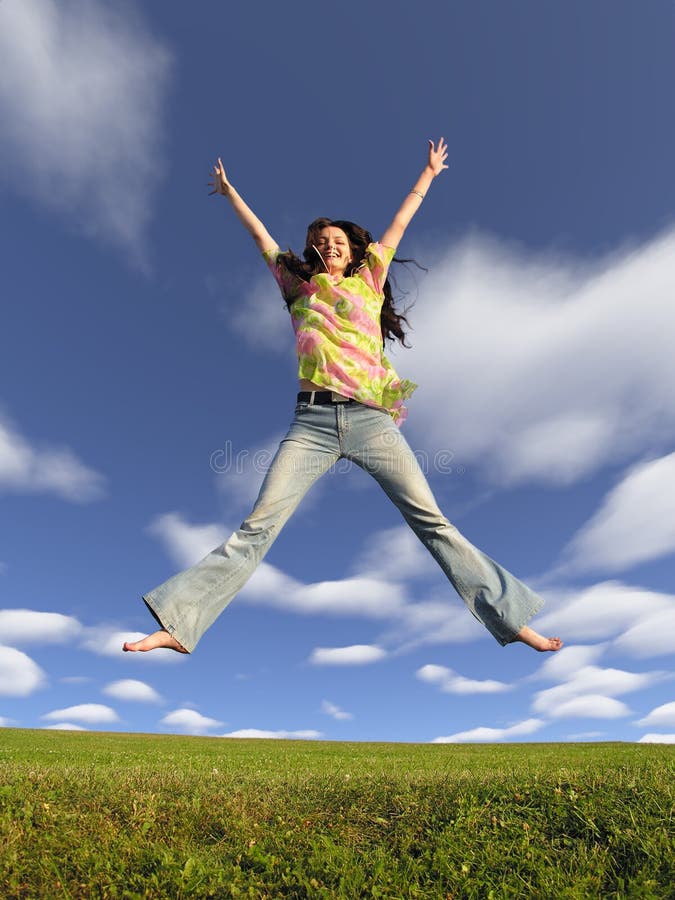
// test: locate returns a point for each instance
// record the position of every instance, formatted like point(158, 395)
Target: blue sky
point(148, 365)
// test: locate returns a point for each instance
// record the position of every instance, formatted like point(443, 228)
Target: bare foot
point(537, 641)
point(152, 641)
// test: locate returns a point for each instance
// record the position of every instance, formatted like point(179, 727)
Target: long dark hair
point(391, 321)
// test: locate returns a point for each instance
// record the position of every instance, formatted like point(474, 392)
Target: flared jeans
point(320, 435)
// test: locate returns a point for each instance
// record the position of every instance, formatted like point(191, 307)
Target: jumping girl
point(350, 405)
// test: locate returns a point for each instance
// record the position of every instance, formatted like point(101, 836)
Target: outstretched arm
point(244, 213)
point(413, 200)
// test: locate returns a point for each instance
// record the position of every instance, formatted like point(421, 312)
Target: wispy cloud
point(587, 691)
point(19, 674)
point(88, 81)
point(394, 553)
point(371, 592)
point(451, 683)
point(186, 544)
point(580, 359)
point(635, 522)
point(333, 710)
point(594, 680)
point(189, 721)
point(240, 470)
point(263, 323)
point(565, 664)
point(590, 706)
point(355, 596)
point(638, 619)
point(27, 626)
point(653, 636)
point(25, 468)
point(92, 713)
point(661, 716)
point(356, 655)
point(132, 690)
point(520, 729)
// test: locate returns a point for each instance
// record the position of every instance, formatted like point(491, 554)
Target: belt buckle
point(338, 398)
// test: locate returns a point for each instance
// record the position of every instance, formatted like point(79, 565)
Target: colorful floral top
point(337, 331)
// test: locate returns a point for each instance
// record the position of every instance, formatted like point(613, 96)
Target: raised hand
point(220, 184)
point(438, 156)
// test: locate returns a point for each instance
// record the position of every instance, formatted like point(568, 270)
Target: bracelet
point(421, 196)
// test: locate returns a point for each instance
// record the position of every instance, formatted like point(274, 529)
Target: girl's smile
point(334, 249)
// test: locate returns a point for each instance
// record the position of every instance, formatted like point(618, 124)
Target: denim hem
point(531, 613)
point(170, 629)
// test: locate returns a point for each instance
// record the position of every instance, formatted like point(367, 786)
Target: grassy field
point(121, 815)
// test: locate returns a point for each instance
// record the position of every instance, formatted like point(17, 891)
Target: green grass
point(119, 815)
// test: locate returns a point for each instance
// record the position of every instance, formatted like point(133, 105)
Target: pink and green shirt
point(337, 331)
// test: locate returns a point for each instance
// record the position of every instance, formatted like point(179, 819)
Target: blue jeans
point(189, 602)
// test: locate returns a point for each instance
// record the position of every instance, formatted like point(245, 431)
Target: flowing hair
point(391, 321)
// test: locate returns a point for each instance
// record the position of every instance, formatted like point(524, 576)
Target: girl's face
point(333, 245)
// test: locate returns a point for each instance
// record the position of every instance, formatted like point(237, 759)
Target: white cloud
point(133, 690)
point(26, 626)
point(275, 735)
point(529, 726)
point(355, 596)
point(19, 674)
point(92, 713)
point(442, 621)
point(584, 378)
point(635, 522)
point(65, 726)
point(591, 681)
point(331, 709)
point(45, 469)
point(240, 472)
point(190, 721)
point(591, 706)
point(657, 739)
point(356, 655)
point(370, 593)
point(587, 690)
point(566, 663)
point(653, 636)
point(5, 723)
point(394, 553)
point(585, 735)
point(263, 322)
point(186, 544)
point(602, 611)
point(599, 612)
point(87, 81)
point(451, 683)
point(660, 716)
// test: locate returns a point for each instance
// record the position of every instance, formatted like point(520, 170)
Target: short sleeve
point(375, 266)
point(289, 284)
